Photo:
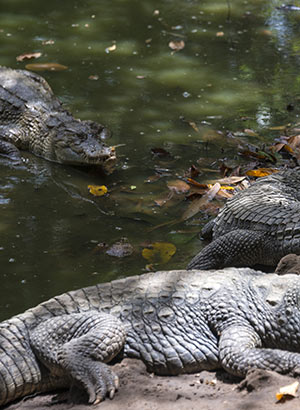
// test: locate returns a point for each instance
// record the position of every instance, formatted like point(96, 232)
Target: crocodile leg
point(240, 350)
point(9, 150)
point(236, 248)
point(77, 346)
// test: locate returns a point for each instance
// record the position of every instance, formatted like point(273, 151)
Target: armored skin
point(257, 226)
point(34, 120)
point(174, 321)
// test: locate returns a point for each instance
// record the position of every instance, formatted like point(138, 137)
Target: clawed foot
point(98, 380)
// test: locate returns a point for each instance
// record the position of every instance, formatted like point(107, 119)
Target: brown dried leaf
point(288, 391)
point(176, 45)
point(120, 249)
point(162, 201)
point(46, 67)
point(160, 152)
point(193, 125)
point(113, 47)
point(294, 143)
point(196, 183)
point(152, 178)
point(250, 132)
point(230, 180)
point(178, 186)
point(277, 147)
point(192, 172)
point(200, 203)
point(278, 128)
point(48, 42)
point(224, 194)
point(28, 56)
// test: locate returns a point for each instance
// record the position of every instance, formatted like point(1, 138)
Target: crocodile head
point(82, 143)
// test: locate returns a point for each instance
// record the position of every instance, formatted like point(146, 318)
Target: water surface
point(239, 69)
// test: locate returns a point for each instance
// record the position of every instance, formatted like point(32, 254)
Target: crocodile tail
point(20, 373)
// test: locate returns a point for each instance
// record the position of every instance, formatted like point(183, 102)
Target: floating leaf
point(198, 204)
point(288, 391)
point(111, 48)
point(162, 201)
point(250, 132)
point(97, 190)
point(28, 56)
point(178, 186)
point(288, 148)
point(226, 188)
point(225, 194)
point(196, 183)
point(176, 45)
point(46, 67)
point(152, 178)
point(48, 42)
point(230, 180)
point(278, 128)
point(261, 155)
point(294, 143)
point(120, 249)
point(159, 252)
point(193, 172)
point(194, 126)
point(160, 152)
point(261, 172)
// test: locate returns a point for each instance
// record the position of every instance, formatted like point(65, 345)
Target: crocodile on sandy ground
point(174, 321)
point(34, 120)
point(257, 226)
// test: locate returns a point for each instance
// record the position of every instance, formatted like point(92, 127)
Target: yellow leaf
point(159, 252)
point(97, 190)
point(288, 391)
point(288, 148)
point(221, 187)
point(261, 172)
point(226, 187)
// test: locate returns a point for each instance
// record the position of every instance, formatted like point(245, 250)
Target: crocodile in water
point(34, 120)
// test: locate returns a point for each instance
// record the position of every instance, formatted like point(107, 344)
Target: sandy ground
point(140, 390)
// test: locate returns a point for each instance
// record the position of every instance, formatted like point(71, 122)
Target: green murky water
point(239, 69)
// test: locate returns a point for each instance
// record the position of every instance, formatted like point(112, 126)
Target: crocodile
point(257, 226)
point(33, 119)
point(174, 321)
